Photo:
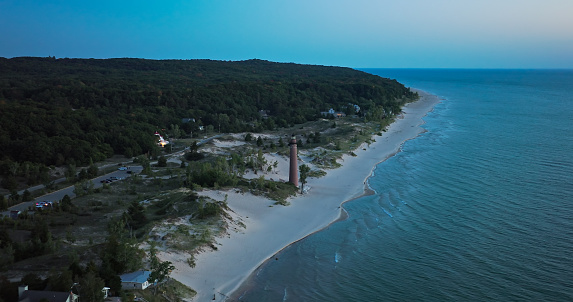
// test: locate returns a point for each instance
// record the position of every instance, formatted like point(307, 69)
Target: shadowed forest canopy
point(68, 111)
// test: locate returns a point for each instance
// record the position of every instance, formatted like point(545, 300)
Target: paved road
point(208, 139)
point(58, 195)
point(56, 181)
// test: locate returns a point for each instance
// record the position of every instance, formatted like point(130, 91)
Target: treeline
point(68, 111)
point(118, 254)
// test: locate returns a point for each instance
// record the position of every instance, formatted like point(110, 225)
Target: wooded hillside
point(71, 111)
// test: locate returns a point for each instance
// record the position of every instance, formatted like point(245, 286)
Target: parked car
point(43, 204)
point(122, 168)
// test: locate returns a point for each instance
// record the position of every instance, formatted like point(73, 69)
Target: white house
point(135, 280)
point(333, 113)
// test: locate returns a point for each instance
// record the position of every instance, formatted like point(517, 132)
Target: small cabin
point(135, 280)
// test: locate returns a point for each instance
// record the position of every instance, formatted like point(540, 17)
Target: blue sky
point(353, 33)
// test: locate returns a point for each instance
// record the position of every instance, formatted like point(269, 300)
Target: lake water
point(477, 208)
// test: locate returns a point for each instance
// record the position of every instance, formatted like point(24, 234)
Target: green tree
point(194, 147)
point(209, 209)
point(90, 288)
point(236, 162)
point(41, 231)
point(160, 270)
point(14, 197)
point(6, 255)
point(4, 238)
point(13, 168)
point(261, 161)
point(70, 172)
point(84, 187)
point(120, 254)
point(3, 202)
point(60, 281)
point(83, 174)
point(92, 171)
point(66, 203)
point(162, 161)
point(175, 131)
point(223, 121)
point(317, 139)
point(26, 196)
point(304, 171)
point(144, 162)
point(10, 183)
point(135, 215)
point(259, 182)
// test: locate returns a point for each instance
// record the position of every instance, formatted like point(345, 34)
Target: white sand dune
point(271, 228)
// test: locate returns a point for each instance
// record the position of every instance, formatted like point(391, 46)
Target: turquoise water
point(478, 208)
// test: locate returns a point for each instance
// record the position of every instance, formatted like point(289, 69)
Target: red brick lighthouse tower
point(293, 171)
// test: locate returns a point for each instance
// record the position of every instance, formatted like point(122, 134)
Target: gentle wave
point(477, 208)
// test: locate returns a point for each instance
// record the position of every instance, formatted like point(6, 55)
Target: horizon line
point(285, 62)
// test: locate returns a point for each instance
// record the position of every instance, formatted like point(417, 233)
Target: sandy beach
point(270, 228)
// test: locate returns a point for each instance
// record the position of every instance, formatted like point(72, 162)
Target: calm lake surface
point(477, 208)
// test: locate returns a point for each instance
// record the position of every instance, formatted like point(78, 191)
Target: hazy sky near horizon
point(357, 33)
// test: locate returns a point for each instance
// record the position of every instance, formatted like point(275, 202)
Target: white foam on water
point(387, 213)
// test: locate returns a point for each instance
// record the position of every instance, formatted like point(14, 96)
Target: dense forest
point(75, 111)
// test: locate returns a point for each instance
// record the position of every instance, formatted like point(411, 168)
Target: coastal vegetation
point(100, 234)
point(58, 112)
point(78, 113)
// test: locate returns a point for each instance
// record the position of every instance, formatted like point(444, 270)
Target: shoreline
point(270, 229)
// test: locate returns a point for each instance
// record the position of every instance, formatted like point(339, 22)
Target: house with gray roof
point(25, 295)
